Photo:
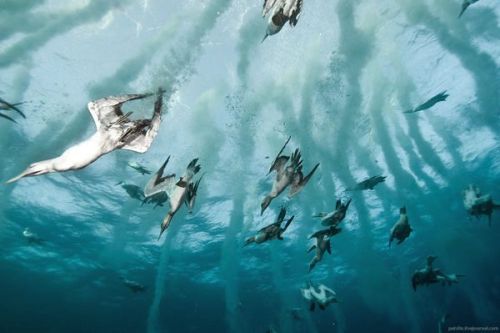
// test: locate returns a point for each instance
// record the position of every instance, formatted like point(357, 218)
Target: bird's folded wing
point(192, 191)
point(293, 11)
point(7, 117)
point(162, 184)
point(268, 5)
point(328, 290)
point(106, 111)
point(288, 223)
point(281, 215)
point(280, 161)
point(9, 106)
point(299, 181)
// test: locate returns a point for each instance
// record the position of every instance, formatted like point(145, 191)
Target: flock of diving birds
point(115, 130)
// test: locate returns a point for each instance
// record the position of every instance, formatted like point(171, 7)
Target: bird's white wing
point(106, 111)
point(306, 293)
point(142, 142)
point(325, 290)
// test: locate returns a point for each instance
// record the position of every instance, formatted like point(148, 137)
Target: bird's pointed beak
point(464, 7)
point(16, 178)
point(165, 224)
point(263, 39)
point(35, 169)
point(163, 228)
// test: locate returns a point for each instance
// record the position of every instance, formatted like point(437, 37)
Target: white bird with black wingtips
point(280, 12)
point(114, 130)
point(182, 191)
point(287, 174)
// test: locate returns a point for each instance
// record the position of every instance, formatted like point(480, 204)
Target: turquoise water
point(337, 83)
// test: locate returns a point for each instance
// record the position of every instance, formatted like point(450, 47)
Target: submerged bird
point(334, 218)
point(402, 229)
point(134, 191)
point(280, 12)
point(465, 5)
point(114, 131)
point(134, 286)
point(368, 184)
point(6, 106)
point(271, 231)
point(429, 275)
point(31, 237)
point(442, 96)
point(139, 168)
point(322, 296)
point(287, 174)
point(478, 204)
point(322, 244)
point(182, 191)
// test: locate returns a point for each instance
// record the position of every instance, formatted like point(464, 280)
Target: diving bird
point(31, 237)
point(272, 231)
point(322, 244)
point(322, 296)
point(465, 5)
point(280, 12)
point(367, 184)
point(402, 229)
point(334, 218)
point(179, 191)
point(478, 204)
point(287, 174)
point(442, 96)
point(429, 275)
point(114, 131)
point(139, 168)
point(134, 286)
point(6, 106)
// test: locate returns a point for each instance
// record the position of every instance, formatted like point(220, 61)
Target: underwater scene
point(250, 166)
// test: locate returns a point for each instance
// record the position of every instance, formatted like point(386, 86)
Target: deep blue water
point(337, 83)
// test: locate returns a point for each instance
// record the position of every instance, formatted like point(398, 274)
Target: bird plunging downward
point(280, 12)
point(114, 130)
